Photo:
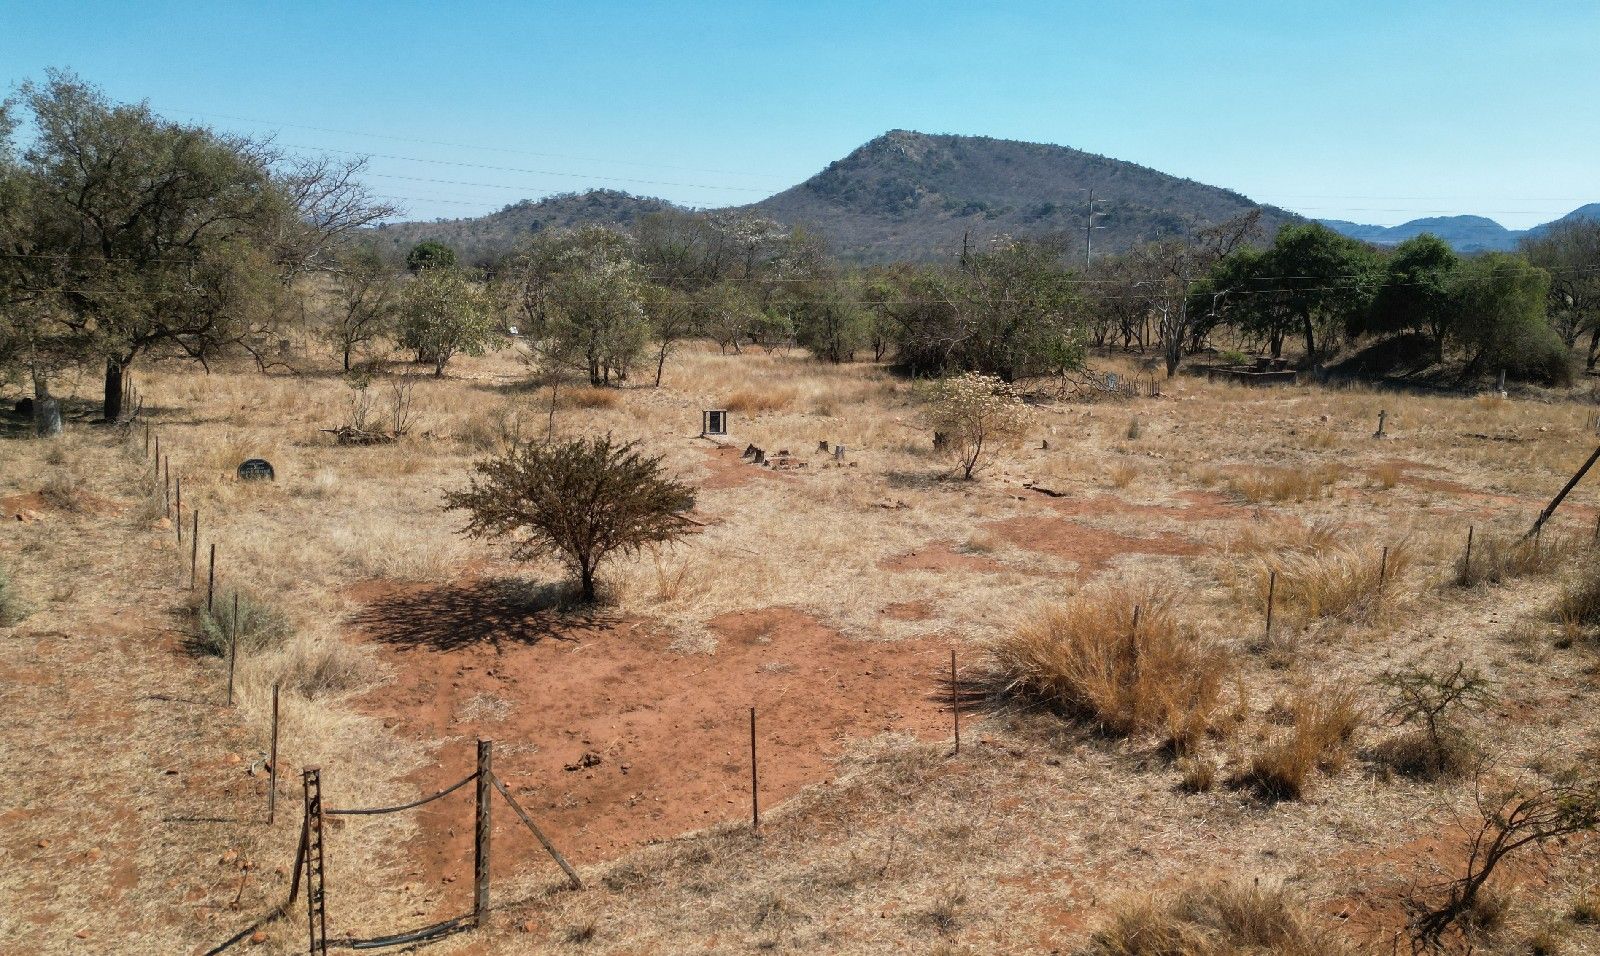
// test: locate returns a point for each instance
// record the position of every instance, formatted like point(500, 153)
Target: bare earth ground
point(828, 597)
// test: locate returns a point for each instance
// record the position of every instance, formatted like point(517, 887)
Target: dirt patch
point(1197, 506)
point(34, 504)
point(610, 738)
point(1089, 548)
point(727, 470)
point(941, 556)
point(909, 611)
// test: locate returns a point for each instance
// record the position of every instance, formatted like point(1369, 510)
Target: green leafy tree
point(1415, 293)
point(430, 254)
point(443, 313)
point(1499, 302)
point(581, 501)
point(595, 306)
point(1311, 279)
point(828, 320)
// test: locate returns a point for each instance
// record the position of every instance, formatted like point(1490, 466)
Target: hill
point(915, 196)
point(486, 235)
point(1464, 233)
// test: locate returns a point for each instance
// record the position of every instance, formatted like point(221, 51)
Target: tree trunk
point(347, 357)
point(1594, 346)
point(438, 366)
point(113, 390)
point(1311, 342)
point(661, 363)
point(46, 410)
point(586, 584)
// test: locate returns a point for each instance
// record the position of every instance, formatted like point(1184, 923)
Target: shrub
point(1222, 919)
point(591, 397)
point(976, 415)
point(579, 500)
point(319, 668)
point(1433, 702)
point(1089, 661)
point(261, 626)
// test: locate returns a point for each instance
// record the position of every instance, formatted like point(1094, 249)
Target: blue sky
point(1377, 112)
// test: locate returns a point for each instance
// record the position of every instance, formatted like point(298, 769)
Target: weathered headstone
point(714, 421)
point(257, 469)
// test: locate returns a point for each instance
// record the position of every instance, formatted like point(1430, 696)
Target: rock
point(258, 937)
point(232, 759)
point(230, 855)
point(589, 759)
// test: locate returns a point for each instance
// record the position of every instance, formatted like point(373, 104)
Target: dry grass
point(1220, 919)
point(1302, 483)
point(1326, 722)
point(590, 398)
point(1089, 659)
point(1341, 582)
point(758, 401)
point(1497, 559)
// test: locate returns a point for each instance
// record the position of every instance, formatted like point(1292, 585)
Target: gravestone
point(257, 469)
point(714, 421)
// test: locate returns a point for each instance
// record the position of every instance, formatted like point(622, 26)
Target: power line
point(434, 142)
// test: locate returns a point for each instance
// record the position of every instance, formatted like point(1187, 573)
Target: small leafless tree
point(1509, 819)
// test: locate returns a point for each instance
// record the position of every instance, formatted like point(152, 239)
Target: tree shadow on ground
point(494, 610)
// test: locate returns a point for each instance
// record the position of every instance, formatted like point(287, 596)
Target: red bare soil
point(1089, 548)
point(607, 736)
point(728, 470)
point(1197, 506)
point(941, 556)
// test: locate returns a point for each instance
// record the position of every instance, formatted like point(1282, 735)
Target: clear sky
point(1372, 111)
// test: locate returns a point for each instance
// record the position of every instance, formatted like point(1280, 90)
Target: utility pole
point(1088, 231)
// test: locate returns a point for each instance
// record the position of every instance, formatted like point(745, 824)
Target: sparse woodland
point(1003, 455)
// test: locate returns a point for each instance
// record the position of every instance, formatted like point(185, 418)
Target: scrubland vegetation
point(1145, 767)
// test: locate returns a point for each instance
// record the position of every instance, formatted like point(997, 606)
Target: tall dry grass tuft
point(1287, 534)
point(1088, 660)
point(1578, 608)
point(1340, 582)
point(1326, 722)
point(1221, 919)
point(753, 401)
point(1303, 483)
point(1496, 559)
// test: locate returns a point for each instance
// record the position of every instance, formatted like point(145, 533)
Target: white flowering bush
point(974, 416)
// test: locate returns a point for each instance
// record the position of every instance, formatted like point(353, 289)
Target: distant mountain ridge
point(913, 196)
point(1463, 233)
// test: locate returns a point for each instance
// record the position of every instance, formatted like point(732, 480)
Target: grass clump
point(1305, 483)
point(13, 610)
point(1578, 609)
point(1092, 661)
point(1340, 582)
point(1326, 721)
point(1222, 919)
point(751, 401)
point(1495, 560)
point(260, 625)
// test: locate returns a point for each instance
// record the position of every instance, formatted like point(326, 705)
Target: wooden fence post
point(166, 485)
point(755, 800)
point(178, 509)
point(1383, 568)
point(481, 831)
point(194, 548)
point(955, 702)
point(1272, 593)
point(211, 578)
point(272, 761)
point(233, 645)
point(1466, 564)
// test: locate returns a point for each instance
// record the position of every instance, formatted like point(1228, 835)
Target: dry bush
point(322, 666)
point(1496, 559)
point(1434, 703)
point(1325, 723)
point(752, 401)
point(257, 625)
point(63, 488)
point(1303, 483)
point(1220, 919)
point(1088, 660)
